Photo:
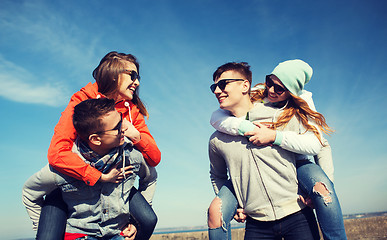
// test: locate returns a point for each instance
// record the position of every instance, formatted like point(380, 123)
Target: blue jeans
point(329, 214)
point(301, 225)
point(118, 237)
point(327, 208)
point(54, 210)
point(143, 215)
point(228, 209)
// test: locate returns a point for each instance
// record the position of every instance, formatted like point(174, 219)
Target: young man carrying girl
point(102, 210)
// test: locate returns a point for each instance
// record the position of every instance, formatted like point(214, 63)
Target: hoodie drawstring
point(122, 152)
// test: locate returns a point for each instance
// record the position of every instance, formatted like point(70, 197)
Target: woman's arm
point(147, 145)
point(60, 155)
point(306, 143)
point(222, 121)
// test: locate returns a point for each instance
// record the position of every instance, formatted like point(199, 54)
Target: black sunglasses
point(222, 84)
point(117, 127)
point(277, 88)
point(133, 74)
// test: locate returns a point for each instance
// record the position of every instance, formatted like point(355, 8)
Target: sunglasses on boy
point(222, 84)
point(117, 127)
point(133, 74)
point(277, 88)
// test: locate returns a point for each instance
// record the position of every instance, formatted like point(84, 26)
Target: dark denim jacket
point(102, 209)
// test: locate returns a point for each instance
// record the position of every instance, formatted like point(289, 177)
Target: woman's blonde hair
point(298, 107)
point(107, 72)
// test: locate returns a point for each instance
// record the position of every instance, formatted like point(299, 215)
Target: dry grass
point(371, 228)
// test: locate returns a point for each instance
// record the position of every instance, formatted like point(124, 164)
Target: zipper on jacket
point(263, 183)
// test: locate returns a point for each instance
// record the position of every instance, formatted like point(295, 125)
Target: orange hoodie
point(64, 160)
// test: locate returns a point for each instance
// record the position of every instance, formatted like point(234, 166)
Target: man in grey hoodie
point(263, 178)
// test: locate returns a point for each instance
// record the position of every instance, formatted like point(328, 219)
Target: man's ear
point(246, 87)
point(95, 139)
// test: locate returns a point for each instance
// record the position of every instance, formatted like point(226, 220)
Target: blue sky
point(48, 50)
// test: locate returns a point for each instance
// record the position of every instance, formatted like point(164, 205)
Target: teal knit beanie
point(294, 74)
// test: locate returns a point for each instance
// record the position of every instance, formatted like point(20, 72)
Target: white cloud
point(19, 85)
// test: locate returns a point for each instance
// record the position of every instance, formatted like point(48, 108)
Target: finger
point(127, 168)
point(119, 179)
point(302, 199)
point(248, 134)
point(132, 230)
point(128, 173)
point(129, 232)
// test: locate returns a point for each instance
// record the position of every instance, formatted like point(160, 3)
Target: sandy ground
point(371, 228)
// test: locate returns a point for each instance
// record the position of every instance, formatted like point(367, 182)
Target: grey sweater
point(264, 178)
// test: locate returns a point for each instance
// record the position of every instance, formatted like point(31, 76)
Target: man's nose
point(217, 90)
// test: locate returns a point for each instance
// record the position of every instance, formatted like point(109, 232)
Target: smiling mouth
point(272, 96)
point(221, 98)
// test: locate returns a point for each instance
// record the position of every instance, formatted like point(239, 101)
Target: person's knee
point(215, 214)
point(148, 224)
point(321, 190)
point(152, 221)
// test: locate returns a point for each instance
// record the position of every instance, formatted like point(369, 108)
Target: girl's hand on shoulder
point(131, 132)
point(261, 135)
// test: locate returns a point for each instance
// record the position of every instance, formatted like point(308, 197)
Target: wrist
point(103, 178)
point(278, 138)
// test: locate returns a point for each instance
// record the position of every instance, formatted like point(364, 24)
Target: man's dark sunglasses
point(133, 74)
point(117, 127)
point(222, 84)
point(277, 88)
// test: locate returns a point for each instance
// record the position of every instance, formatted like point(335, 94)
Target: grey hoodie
point(264, 178)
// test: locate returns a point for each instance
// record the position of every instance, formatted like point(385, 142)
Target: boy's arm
point(218, 168)
point(147, 183)
point(37, 186)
